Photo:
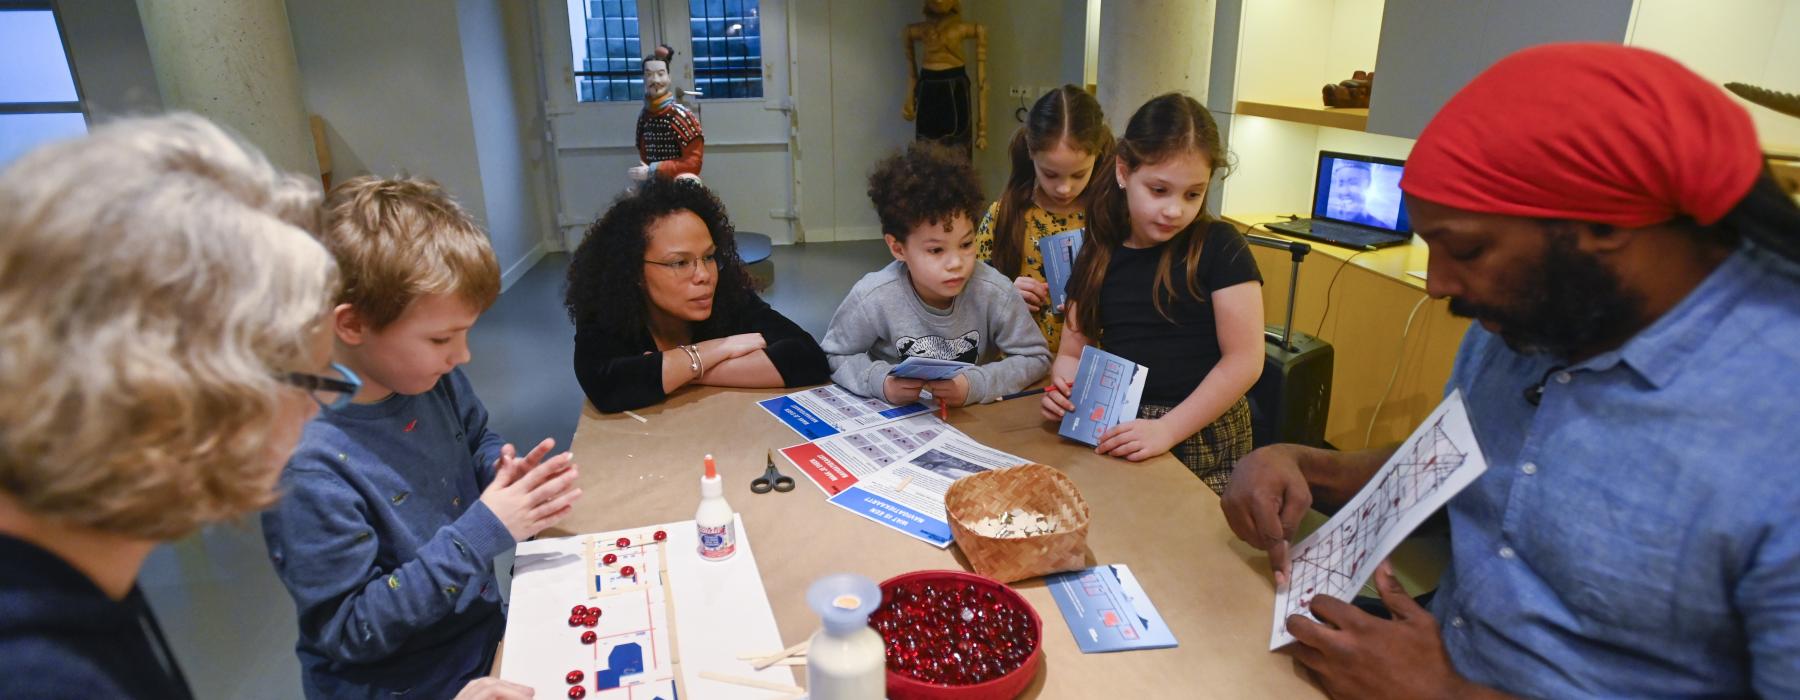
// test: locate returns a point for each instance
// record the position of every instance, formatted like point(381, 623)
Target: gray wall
point(410, 86)
point(111, 59)
point(1433, 48)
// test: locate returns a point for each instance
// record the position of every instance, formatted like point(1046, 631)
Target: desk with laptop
point(1364, 293)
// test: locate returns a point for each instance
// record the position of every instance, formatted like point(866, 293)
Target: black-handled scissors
point(772, 480)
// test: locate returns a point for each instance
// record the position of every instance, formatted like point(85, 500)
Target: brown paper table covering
point(1154, 516)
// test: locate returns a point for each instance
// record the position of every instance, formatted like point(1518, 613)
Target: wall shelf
point(1353, 119)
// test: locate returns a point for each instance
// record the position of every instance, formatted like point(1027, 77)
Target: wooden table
point(1214, 591)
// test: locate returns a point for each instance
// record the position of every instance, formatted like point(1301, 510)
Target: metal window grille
point(608, 67)
point(727, 48)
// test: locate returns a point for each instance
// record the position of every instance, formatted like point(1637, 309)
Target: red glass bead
point(575, 620)
point(609, 559)
point(578, 610)
point(591, 621)
point(577, 692)
point(587, 637)
point(623, 542)
point(660, 535)
point(628, 572)
point(574, 677)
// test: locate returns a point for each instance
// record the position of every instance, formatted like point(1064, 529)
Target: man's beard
point(1568, 304)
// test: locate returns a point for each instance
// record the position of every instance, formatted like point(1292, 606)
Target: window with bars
point(727, 48)
point(39, 101)
point(608, 51)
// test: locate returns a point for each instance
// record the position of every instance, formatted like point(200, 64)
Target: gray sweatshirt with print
point(883, 321)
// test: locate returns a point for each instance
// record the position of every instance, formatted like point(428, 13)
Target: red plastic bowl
point(901, 687)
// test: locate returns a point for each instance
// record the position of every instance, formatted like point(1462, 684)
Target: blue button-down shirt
point(1637, 534)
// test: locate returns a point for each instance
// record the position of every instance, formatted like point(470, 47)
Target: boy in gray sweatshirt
point(935, 300)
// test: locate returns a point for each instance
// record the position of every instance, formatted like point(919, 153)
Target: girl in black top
point(1162, 284)
point(660, 300)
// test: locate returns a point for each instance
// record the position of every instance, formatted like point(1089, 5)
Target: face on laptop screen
point(1360, 192)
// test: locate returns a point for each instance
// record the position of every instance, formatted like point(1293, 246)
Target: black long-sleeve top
point(620, 373)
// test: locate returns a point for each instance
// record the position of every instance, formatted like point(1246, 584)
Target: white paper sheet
point(836, 463)
point(908, 495)
point(719, 608)
point(1438, 460)
point(831, 409)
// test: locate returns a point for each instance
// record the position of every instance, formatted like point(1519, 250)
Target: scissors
point(772, 480)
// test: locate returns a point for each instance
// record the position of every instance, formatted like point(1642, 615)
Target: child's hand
point(530, 498)
point(508, 462)
point(900, 390)
point(491, 688)
point(1056, 399)
point(743, 344)
point(1034, 292)
point(953, 391)
point(1138, 440)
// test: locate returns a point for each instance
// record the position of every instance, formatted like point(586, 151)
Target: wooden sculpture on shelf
point(669, 141)
point(1784, 166)
point(937, 93)
point(1350, 93)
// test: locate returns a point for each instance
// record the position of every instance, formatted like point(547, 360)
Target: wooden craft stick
point(758, 657)
point(751, 682)
point(587, 555)
point(904, 483)
point(639, 418)
point(770, 660)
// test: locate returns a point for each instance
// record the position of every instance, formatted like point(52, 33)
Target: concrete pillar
point(233, 62)
point(1149, 47)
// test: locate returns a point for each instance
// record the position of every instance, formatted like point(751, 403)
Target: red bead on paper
point(628, 572)
point(573, 677)
point(660, 535)
point(609, 559)
point(577, 692)
point(623, 542)
point(587, 637)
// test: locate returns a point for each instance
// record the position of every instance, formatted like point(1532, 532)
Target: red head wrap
point(1590, 132)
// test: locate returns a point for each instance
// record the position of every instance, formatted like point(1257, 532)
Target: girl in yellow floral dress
point(1053, 157)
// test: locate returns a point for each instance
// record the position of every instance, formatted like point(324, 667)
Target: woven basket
point(1035, 488)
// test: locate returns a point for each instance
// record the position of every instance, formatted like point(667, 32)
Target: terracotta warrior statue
point(669, 141)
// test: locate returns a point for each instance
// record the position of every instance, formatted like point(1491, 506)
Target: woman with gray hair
point(162, 343)
point(160, 349)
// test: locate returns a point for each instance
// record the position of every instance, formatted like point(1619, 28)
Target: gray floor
point(229, 619)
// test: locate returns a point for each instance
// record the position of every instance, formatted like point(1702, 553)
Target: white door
point(592, 76)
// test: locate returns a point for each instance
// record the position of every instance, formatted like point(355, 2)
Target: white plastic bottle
point(718, 533)
point(845, 659)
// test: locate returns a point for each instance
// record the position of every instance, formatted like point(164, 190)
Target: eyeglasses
point(331, 391)
point(685, 266)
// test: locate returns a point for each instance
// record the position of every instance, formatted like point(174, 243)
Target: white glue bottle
point(845, 659)
point(718, 533)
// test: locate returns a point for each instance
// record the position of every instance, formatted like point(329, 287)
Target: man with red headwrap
point(1605, 215)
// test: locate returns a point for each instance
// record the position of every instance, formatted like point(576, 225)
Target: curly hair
point(606, 276)
point(928, 183)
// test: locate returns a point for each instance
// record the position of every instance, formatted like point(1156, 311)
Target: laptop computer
point(1356, 203)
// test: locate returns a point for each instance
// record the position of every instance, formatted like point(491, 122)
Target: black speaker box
point(1289, 402)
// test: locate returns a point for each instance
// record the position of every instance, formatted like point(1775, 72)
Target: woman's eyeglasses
point(685, 266)
point(331, 391)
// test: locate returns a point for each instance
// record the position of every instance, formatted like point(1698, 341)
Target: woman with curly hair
point(661, 300)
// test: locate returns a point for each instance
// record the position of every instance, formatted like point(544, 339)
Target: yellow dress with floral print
point(1038, 224)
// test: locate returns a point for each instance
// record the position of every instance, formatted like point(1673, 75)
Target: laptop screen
point(1360, 190)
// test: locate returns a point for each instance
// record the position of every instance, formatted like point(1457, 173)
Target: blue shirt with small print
point(1637, 533)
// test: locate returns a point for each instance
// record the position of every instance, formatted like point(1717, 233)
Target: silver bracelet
point(694, 363)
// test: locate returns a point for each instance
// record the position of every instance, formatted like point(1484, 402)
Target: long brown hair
point(1065, 115)
point(1167, 126)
